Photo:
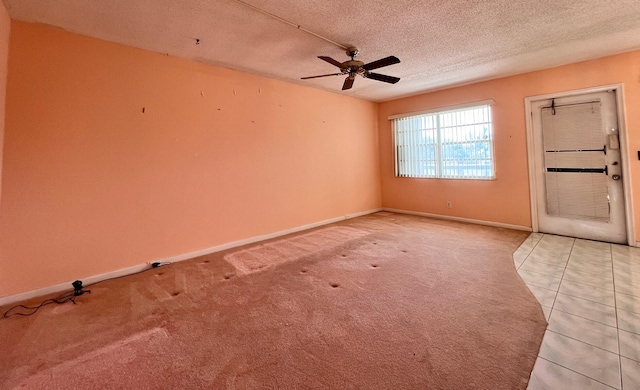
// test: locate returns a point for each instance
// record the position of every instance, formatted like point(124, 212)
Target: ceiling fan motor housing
point(352, 65)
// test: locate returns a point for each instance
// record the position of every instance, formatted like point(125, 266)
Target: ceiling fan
point(355, 67)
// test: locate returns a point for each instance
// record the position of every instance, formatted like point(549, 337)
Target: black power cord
point(70, 296)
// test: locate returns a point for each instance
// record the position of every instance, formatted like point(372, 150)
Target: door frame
point(624, 153)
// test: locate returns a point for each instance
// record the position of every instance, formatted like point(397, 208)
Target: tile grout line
point(590, 285)
point(583, 342)
point(526, 284)
point(538, 274)
point(627, 330)
point(585, 318)
point(629, 295)
point(552, 309)
point(530, 252)
point(615, 303)
point(589, 272)
point(615, 308)
point(562, 276)
point(575, 249)
point(545, 263)
point(586, 299)
point(541, 274)
point(549, 264)
point(576, 372)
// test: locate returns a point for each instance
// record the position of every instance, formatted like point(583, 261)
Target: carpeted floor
point(384, 301)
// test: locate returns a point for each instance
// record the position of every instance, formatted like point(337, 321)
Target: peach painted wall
point(92, 184)
point(506, 199)
point(5, 29)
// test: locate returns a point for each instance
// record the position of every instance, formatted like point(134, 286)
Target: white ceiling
point(440, 43)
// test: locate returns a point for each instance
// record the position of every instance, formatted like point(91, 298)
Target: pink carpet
point(384, 301)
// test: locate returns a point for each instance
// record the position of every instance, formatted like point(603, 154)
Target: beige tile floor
point(590, 294)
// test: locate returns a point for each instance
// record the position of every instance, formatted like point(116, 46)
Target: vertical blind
point(452, 143)
point(573, 140)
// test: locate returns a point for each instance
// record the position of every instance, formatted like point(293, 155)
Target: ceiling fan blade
point(348, 83)
point(383, 77)
point(322, 75)
point(381, 62)
point(331, 61)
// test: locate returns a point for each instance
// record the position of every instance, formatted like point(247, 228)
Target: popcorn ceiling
point(440, 43)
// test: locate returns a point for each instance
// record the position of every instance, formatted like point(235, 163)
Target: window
point(454, 143)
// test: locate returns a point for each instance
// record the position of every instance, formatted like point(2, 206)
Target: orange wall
point(5, 29)
point(506, 199)
point(92, 184)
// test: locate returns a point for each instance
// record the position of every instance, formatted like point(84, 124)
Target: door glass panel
point(576, 126)
point(577, 195)
point(574, 162)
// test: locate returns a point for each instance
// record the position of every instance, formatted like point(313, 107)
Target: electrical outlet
point(449, 204)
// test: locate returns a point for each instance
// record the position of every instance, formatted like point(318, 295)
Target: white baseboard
point(459, 219)
point(173, 259)
point(269, 236)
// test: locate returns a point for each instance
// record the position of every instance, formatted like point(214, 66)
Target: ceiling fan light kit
point(354, 67)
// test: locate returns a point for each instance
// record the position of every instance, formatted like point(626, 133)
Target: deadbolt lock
point(615, 177)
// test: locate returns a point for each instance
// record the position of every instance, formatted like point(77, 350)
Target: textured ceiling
point(440, 43)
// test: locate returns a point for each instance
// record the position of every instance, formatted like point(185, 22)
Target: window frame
point(438, 155)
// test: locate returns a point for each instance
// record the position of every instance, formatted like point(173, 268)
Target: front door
point(578, 167)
